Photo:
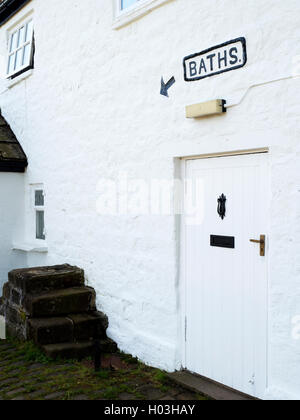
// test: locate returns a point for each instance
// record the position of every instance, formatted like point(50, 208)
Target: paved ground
point(26, 374)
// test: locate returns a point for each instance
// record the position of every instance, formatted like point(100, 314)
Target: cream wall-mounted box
point(204, 109)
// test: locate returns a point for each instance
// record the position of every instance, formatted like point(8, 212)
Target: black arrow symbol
point(166, 86)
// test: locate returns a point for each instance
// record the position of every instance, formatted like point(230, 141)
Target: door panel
point(226, 289)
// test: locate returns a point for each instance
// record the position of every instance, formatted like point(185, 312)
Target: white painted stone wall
point(11, 222)
point(91, 108)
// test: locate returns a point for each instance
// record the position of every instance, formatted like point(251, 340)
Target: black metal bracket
point(222, 206)
point(97, 355)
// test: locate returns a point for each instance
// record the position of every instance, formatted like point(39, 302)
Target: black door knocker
point(222, 206)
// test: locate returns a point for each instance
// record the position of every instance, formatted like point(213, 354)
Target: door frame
point(182, 253)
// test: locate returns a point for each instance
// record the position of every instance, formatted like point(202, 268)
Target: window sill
point(124, 18)
point(27, 247)
point(13, 82)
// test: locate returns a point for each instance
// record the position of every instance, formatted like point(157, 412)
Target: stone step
point(43, 279)
point(71, 328)
point(88, 326)
point(79, 350)
point(50, 330)
point(60, 302)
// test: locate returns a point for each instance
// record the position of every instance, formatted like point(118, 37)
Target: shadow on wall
point(11, 222)
point(13, 163)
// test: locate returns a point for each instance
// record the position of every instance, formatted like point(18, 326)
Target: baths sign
point(229, 56)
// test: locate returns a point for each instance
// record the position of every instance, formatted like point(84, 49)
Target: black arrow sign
point(166, 86)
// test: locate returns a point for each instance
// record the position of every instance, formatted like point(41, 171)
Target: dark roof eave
point(13, 166)
point(9, 7)
point(12, 155)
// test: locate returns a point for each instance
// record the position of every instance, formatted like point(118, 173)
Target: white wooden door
point(226, 288)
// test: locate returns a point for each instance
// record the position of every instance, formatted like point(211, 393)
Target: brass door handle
point(262, 242)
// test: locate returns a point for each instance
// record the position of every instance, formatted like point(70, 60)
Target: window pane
point(29, 29)
point(127, 3)
point(19, 59)
point(27, 55)
point(11, 63)
point(39, 198)
point(40, 225)
point(14, 40)
point(21, 36)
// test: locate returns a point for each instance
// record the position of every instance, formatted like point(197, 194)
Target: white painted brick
point(92, 108)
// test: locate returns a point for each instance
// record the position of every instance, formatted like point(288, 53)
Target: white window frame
point(36, 208)
point(138, 3)
point(28, 65)
point(134, 12)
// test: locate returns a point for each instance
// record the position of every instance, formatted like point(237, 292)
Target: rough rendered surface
point(91, 109)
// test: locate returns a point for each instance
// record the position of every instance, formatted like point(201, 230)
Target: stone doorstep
point(60, 302)
point(50, 330)
point(207, 387)
point(52, 307)
point(71, 328)
point(44, 279)
point(93, 324)
point(77, 350)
